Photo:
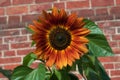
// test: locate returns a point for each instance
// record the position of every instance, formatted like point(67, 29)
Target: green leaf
point(58, 74)
point(20, 72)
point(90, 67)
point(33, 43)
point(28, 59)
point(97, 41)
point(29, 30)
point(37, 74)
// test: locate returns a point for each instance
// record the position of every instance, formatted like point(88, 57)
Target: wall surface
point(16, 14)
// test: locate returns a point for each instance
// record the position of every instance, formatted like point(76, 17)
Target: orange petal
point(59, 64)
point(78, 39)
point(34, 28)
point(55, 11)
point(63, 58)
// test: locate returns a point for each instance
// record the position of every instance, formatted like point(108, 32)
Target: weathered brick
point(44, 1)
point(9, 53)
point(39, 7)
point(113, 44)
point(84, 13)
point(24, 31)
point(59, 5)
point(4, 3)
point(17, 10)
point(3, 20)
point(24, 52)
point(117, 65)
point(2, 11)
point(115, 37)
point(110, 59)
point(109, 66)
point(115, 10)
point(9, 32)
point(101, 11)
point(15, 39)
point(115, 72)
point(77, 4)
point(14, 20)
point(20, 45)
point(101, 3)
point(4, 47)
point(10, 60)
point(1, 41)
point(116, 50)
point(16, 2)
point(11, 67)
point(109, 30)
point(118, 2)
point(115, 78)
point(0, 55)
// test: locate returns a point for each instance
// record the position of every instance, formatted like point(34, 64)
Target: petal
point(34, 28)
point(63, 58)
point(81, 40)
point(59, 64)
point(55, 11)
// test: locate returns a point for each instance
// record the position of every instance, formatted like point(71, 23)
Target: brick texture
point(15, 15)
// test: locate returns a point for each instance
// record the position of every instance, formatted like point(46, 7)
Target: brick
point(115, 78)
point(11, 67)
point(29, 18)
point(108, 37)
point(16, 2)
point(44, 1)
point(9, 32)
point(117, 16)
point(109, 30)
point(24, 52)
point(4, 47)
point(3, 20)
point(4, 3)
point(113, 44)
point(115, 10)
point(1, 11)
point(77, 4)
point(9, 53)
point(101, 3)
point(116, 37)
point(118, 2)
point(84, 13)
point(115, 72)
point(109, 66)
point(1, 75)
point(110, 59)
point(101, 11)
point(115, 23)
point(0, 55)
point(17, 10)
point(24, 31)
point(1, 41)
point(116, 50)
point(117, 65)
point(20, 45)
point(10, 60)
point(39, 7)
point(59, 5)
point(15, 39)
point(14, 19)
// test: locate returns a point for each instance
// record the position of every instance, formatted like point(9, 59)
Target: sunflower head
point(60, 38)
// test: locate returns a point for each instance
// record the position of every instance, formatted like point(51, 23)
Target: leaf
point(20, 72)
point(28, 59)
point(58, 75)
point(33, 43)
point(91, 68)
point(37, 74)
point(97, 41)
point(29, 30)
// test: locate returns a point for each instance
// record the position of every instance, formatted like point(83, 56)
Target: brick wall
point(16, 14)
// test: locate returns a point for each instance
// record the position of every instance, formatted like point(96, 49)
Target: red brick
point(44, 1)
point(77, 4)
point(9, 53)
point(110, 59)
point(116, 37)
point(115, 78)
point(109, 30)
point(17, 10)
point(1, 11)
point(24, 31)
point(116, 50)
point(117, 65)
point(115, 10)
point(14, 19)
point(16, 2)
point(113, 44)
point(118, 2)
point(115, 72)
point(10, 60)
point(117, 16)
point(4, 3)
point(38, 8)
point(3, 20)
point(1, 41)
point(4, 47)
point(101, 11)
point(108, 37)
point(29, 18)
point(24, 52)
point(84, 13)
point(0, 55)
point(59, 5)
point(109, 66)
point(1, 75)
point(11, 67)
point(9, 33)
point(15, 39)
point(20, 45)
point(101, 3)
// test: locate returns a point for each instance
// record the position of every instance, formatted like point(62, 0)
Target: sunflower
point(60, 38)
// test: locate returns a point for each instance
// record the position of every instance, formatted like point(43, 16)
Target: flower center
point(59, 38)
